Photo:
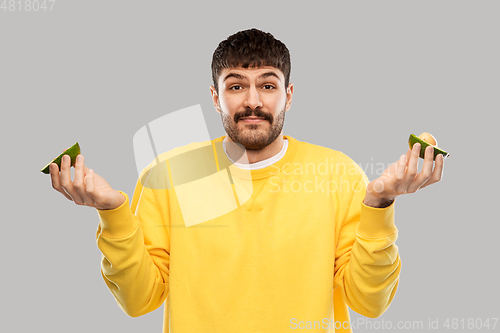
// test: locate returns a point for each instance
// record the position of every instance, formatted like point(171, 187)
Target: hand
point(88, 188)
point(401, 177)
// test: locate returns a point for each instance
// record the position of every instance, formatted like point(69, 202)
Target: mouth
point(252, 119)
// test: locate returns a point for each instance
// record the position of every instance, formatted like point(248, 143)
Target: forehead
point(250, 73)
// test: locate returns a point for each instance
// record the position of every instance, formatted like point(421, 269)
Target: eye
point(268, 87)
point(235, 87)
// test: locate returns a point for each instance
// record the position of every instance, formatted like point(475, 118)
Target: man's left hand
point(401, 177)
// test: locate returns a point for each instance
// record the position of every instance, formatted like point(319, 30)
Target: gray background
point(366, 75)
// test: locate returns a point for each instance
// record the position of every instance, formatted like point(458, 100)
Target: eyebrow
point(241, 77)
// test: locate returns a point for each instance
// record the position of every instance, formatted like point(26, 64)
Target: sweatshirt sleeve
point(367, 263)
point(134, 242)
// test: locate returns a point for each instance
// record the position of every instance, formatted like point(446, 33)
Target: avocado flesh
point(423, 144)
point(72, 151)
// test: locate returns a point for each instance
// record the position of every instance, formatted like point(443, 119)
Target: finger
point(408, 154)
point(400, 172)
point(426, 172)
point(55, 179)
point(437, 174)
point(397, 174)
point(90, 184)
point(78, 182)
point(66, 182)
point(411, 170)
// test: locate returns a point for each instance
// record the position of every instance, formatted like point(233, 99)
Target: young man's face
point(252, 103)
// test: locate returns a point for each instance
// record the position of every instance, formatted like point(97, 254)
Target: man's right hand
point(88, 188)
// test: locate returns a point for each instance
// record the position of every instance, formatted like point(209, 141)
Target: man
point(312, 236)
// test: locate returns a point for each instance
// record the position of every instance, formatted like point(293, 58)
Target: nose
point(252, 99)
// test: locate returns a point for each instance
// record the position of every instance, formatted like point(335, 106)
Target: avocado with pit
point(72, 151)
point(423, 144)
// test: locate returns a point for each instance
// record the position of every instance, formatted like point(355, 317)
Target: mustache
point(255, 113)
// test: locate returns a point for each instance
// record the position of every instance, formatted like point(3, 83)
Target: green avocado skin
point(423, 144)
point(72, 151)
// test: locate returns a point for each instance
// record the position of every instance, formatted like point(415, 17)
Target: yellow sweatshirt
point(278, 249)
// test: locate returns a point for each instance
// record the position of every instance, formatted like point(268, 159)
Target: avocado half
point(423, 144)
point(72, 151)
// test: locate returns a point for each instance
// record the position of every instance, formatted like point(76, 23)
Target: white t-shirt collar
point(261, 164)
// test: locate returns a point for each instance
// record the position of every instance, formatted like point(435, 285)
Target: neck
point(254, 156)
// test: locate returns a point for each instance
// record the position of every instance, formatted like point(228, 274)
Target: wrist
point(377, 202)
point(117, 200)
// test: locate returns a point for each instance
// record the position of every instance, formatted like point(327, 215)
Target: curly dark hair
point(251, 48)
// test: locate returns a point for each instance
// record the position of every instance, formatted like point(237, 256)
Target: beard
point(253, 136)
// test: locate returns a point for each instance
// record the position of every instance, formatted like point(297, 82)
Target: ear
point(215, 98)
point(289, 95)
